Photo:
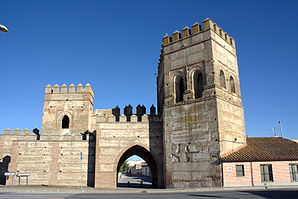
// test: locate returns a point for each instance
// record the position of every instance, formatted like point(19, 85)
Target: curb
point(135, 190)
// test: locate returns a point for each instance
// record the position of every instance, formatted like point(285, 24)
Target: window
point(65, 122)
point(294, 172)
point(179, 88)
point(198, 84)
point(266, 173)
point(239, 170)
point(222, 79)
point(232, 85)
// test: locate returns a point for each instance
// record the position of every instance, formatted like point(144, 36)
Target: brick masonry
point(182, 143)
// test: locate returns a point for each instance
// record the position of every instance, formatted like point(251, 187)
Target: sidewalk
point(41, 189)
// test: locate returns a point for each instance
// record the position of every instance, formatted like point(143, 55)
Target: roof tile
point(264, 149)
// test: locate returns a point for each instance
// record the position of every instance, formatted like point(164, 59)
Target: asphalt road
point(284, 194)
point(134, 181)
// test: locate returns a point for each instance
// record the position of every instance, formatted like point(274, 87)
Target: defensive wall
point(52, 157)
point(200, 116)
point(55, 162)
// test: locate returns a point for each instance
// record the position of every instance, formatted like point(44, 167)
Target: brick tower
point(200, 103)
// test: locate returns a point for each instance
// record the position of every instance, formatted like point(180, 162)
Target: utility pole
point(280, 126)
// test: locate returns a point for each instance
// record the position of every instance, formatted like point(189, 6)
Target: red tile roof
point(264, 149)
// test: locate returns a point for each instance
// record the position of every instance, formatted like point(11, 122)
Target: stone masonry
point(200, 103)
point(199, 117)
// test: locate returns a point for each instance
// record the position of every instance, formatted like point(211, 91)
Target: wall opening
point(179, 88)
point(232, 85)
point(137, 168)
point(222, 79)
point(198, 84)
point(65, 122)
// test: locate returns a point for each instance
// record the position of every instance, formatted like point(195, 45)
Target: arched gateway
point(118, 140)
point(146, 155)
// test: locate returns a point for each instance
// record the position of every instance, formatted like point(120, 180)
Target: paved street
point(128, 180)
point(286, 193)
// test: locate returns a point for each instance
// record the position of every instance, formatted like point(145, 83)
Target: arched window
point(222, 79)
point(65, 122)
point(232, 85)
point(179, 88)
point(198, 84)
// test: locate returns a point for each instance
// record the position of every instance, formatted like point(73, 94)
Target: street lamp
point(3, 28)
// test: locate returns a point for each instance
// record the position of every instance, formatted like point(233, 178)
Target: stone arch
point(222, 79)
point(198, 84)
point(143, 152)
point(179, 88)
point(232, 85)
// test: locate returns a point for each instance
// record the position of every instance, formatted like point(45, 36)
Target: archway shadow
point(145, 155)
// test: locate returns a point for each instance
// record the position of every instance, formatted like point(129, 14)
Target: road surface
point(134, 181)
point(256, 194)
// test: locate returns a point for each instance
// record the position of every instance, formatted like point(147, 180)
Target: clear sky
point(115, 46)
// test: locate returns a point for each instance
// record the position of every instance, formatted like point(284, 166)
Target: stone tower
point(199, 101)
point(67, 112)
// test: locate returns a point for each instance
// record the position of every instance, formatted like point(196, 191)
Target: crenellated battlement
point(16, 131)
point(124, 118)
point(208, 24)
point(17, 134)
point(69, 89)
point(128, 116)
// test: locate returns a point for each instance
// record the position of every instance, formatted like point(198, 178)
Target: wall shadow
point(91, 159)
point(156, 145)
point(4, 168)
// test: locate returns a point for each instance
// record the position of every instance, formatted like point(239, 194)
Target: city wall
point(55, 162)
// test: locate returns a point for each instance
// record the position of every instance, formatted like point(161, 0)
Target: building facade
point(262, 161)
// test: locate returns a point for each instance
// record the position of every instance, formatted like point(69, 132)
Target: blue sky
point(115, 46)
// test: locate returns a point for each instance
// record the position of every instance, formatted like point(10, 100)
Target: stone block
point(17, 131)
point(134, 118)
point(123, 118)
point(7, 131)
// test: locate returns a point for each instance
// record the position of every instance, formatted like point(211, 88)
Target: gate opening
point(137, 169)
point(134, 172)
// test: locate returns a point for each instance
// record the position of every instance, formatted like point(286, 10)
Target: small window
point(222, 79)
point(266, 173)
point(65, 122)
point(294, 172)
point(239, 170)
point(198, 84)
point(232, 85)
point(179, 88)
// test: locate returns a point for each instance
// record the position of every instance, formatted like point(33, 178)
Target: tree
point(124, 167)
